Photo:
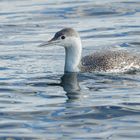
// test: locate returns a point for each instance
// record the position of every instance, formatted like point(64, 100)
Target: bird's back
point(110, 61)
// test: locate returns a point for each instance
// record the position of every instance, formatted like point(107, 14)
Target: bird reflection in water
point(70, 84)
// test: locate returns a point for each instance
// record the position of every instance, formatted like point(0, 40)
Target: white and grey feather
point(107, 61)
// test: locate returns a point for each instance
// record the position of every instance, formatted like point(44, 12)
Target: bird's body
point(111, 61)
point(106, 61)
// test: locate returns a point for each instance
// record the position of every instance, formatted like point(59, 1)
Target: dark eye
point(63, 37)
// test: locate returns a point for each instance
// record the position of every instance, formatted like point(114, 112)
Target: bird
point(107, 61)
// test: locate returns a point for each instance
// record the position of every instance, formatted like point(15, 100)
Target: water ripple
point(37, 101)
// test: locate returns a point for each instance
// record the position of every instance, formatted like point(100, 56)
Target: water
point(35, 102)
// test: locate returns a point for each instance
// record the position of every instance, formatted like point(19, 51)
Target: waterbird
point(115, 61)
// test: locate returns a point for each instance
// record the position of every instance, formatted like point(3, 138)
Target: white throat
point(73, 56)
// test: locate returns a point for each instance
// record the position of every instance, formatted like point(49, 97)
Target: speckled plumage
point(110, 61)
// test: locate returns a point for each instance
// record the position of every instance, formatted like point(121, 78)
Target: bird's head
point(66, 37)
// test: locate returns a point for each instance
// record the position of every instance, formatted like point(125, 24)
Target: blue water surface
point(37, 101)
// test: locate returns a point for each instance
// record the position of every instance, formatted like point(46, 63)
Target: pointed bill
point(53, 41)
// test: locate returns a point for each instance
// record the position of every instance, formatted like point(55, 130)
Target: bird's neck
point(73, 57)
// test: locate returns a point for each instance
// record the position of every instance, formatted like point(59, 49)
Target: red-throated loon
point(107, 61)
